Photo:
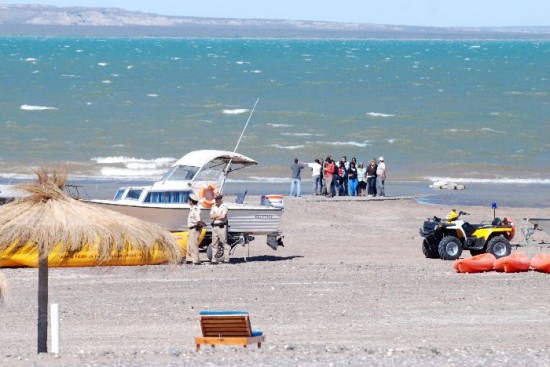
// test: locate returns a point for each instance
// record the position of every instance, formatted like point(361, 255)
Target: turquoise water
point(116, 109)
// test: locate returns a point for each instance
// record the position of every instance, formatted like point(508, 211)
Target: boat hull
point(248, 219)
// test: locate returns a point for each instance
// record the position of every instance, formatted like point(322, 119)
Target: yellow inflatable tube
point(28, 256)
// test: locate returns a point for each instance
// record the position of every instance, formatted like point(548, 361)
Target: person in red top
point(328, 173)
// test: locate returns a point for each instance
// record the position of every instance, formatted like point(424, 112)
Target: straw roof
point(48, 217)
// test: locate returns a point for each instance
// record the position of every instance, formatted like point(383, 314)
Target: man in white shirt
point(380, 177)
point(220, 247)
point(195, 226)
point(316, 177)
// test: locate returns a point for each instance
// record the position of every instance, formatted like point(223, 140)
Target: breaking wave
point(26, 107)
point(378, 114)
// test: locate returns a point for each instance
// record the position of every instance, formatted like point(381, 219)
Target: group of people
point(218, 215)
point(342, 178)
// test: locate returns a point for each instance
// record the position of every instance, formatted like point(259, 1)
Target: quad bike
point(447, 238)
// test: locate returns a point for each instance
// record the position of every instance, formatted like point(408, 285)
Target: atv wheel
point(499, 246)
point(429, 251)
point(450, 248)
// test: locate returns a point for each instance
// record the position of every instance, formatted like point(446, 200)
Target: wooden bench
point(227, 327)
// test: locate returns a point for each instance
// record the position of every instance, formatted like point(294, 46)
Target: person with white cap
point(380, 177)
point(220, 247)
point(195, 226)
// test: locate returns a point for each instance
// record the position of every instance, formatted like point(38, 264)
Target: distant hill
point(88, 21)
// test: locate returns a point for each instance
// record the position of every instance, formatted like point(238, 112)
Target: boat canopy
point(211, 158)
point(201, 166)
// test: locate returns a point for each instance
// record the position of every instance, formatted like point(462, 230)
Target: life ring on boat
point(207, 194)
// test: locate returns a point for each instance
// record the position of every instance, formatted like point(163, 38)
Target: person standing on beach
point(371, 178)
point(362, 177)
point(352, 175)
point(195, 226)
point(380, 177)
point(218, 214)
point(296, 183)
point(343, 176)
point(316, 179)
point(328, 174)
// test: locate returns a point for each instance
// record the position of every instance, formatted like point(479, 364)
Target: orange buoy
point(207, 194)
point(512, 263)
point(541, 262)
point(475, 264)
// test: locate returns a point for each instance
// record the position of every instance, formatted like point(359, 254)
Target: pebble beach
point(350, 287)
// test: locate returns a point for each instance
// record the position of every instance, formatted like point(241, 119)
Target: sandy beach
point(351, 287)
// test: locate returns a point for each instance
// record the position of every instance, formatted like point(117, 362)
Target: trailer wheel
point(449, 248)
point(499, 246)
point(219, 254)
point(429, 251)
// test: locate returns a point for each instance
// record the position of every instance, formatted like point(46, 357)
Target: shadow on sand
point(238, 260)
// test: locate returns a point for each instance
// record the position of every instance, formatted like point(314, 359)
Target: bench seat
point(227, 327)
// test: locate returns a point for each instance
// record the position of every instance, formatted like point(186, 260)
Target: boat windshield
point(209, 174)
point(190, 173)
point(180, 173)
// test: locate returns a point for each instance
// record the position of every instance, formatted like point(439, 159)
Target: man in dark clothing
point(295, 185)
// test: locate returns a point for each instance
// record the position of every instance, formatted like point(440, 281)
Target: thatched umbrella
point(49, 218)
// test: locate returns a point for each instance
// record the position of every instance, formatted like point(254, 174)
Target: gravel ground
point(350, 288)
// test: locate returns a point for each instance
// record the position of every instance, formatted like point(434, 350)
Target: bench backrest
point(225, 325)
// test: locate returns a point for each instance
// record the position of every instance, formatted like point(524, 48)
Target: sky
point(438, 13)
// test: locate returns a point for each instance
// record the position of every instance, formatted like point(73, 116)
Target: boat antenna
point(228, 166)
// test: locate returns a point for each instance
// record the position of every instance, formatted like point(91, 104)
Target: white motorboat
point(202, 172)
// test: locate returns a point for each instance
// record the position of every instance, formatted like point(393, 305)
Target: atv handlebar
point(437, 219)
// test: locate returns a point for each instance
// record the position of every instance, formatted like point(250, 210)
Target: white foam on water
point(503, 180)
point(301, 134)
point(279, 125)
point(289, 147)
point(26, 107)
point(102, 64)
point(131, 167)
point(492, 130)
point(127, 160)
point(379, 114)
point(236, 111)
point(343, 143)
point(113, 172)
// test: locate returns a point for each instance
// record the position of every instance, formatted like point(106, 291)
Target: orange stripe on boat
point(475, 264)
point(513, 263)
point(541, 262)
